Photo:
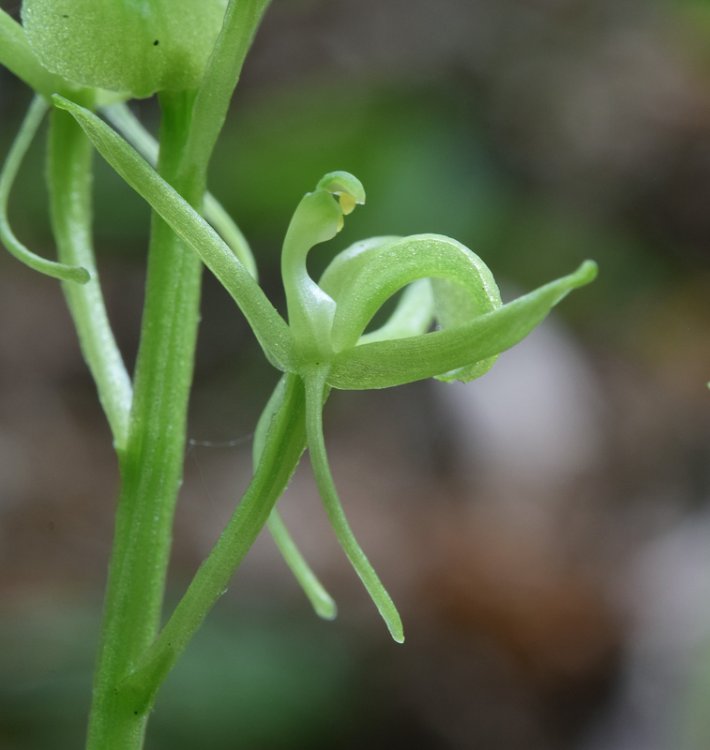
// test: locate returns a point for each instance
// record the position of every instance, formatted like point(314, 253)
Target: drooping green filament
point(315, 384)
point(19, 148)
point(320, 599)
point(314, 590)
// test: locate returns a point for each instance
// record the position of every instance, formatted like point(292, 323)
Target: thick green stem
point(151, 466)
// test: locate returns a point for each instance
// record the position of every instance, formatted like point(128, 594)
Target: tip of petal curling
point(394, 625)
point(326, 608)
point(587, 272)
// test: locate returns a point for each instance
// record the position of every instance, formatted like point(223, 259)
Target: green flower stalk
point(89, 56)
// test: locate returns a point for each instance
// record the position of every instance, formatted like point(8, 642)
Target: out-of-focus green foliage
point(267, 680)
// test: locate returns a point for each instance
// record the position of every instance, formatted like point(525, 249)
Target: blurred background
point(545, 530)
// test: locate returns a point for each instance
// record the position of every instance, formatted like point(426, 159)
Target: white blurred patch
point(668, 592)
point(535, 417)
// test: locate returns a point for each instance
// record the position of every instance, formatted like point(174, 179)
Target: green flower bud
point(132, 46)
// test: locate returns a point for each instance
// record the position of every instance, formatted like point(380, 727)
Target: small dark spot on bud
point(65, 15)
point(156, 42)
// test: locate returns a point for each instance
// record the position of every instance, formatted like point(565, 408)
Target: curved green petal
point(388, 363)
point(341, 270)
point(464, 286)
point(414, 312)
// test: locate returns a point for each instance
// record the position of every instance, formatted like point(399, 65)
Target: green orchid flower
point(325, 343)
point(446, 283)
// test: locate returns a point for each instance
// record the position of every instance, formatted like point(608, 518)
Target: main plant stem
point(151, 465)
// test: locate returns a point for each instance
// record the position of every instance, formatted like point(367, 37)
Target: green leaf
point(268, 326)
point(124, 45)
point(384, 364)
